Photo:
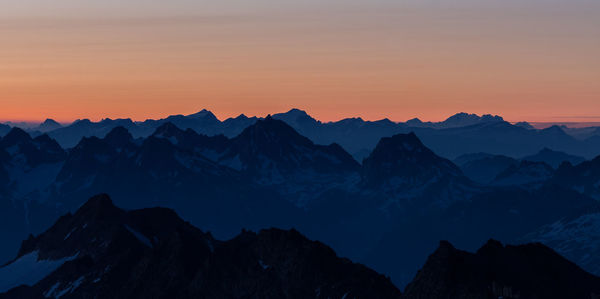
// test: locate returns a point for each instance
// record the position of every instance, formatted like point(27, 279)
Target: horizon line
point(582, 119)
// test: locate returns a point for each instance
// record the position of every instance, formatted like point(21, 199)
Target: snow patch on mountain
point(139, 236)
point(28, 270)
point(578, 239)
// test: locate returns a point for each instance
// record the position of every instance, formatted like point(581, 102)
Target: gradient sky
point(535, 60)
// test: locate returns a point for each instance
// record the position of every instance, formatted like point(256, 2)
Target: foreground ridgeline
point(102, 251)
point(496, 271)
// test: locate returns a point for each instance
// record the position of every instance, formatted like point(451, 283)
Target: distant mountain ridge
point(460, 134)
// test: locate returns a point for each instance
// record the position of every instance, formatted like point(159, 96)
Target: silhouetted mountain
point(153, 171)
point(497, 271)
point(583, 177)
point(387, 213)
point(525, 125)
point(120, 139)
point(25, 151)
point(209, 146)
point(553, 158)
point(15, 136)
point(70, 135)
point(297, 118)
point(4, 129)
point(104, 252)
point(271, 146)
point(47, 126)
point(455, 121)
point(576, 237)
point(524, 173)
point(459, 134)
point(403, 156)
point(465, 119)
point(484, 168)
point(401, 166)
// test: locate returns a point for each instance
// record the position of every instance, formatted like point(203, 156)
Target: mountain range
point(460, 134)
point(387, 211)
point(102, 251)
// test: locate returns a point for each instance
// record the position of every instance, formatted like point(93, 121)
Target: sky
point(534, 60)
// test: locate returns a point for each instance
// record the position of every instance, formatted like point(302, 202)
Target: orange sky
point(530, 60)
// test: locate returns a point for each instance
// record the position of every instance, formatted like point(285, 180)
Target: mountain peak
point(15, 136)
point(404, 156)
point(414, 121)
point(50, 121)
point(297, 112)
point(270, 129)
point(393, 147)
point(168, 129)
point(48, 125)
point(98, 203)
point(162, 256)
point(98, 207)
point(295, 117)
point(497, 271)
point(465, 119)
point(203, 114)
point(118, 136)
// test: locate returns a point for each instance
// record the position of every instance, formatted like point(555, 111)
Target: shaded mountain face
point(524, 173)
point(484, 168)
point(553, 158)
point(154, 171)
point(465, 119)
point(4, 129)
point(272, 145)
point(404, 159)
point(584, 177)
point(498, 271)
point(401, 167)
point(70, 135)
point(47, 126)
point(20, 153)
point(271, 153)
point(104, 252)
point(576, 237)
point(505, 213)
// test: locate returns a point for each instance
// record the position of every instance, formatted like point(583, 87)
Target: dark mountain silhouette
point(4, 129)
point(47, 126)
point(498, 271)
point(459, 134)
point(388, 212)
point(576, 237)
point(402, 167)
point(524, 173)
point(272, 143)
point(22, 150)
point(271, 153)
point(403, 156)
point(553, 158)
point(484, 168)
point(583, 177)
point(102, 251)
point(525, 125)
point(465, 119)
point(70, 135)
